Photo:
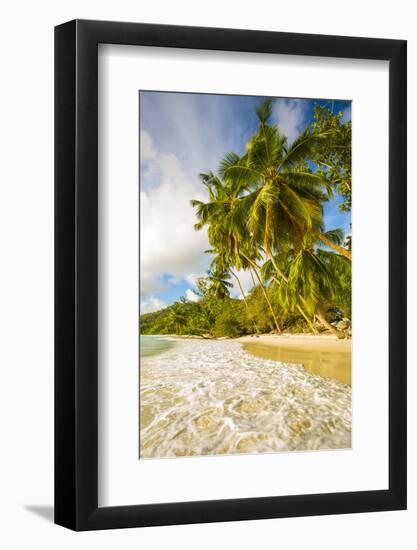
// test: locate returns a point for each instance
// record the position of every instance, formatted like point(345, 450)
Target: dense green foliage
point(334, 159)
point(264, 215)
point(212, 316)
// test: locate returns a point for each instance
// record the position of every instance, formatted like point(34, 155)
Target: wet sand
point(323, 355)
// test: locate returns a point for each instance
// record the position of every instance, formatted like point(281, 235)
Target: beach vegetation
point(264, 215)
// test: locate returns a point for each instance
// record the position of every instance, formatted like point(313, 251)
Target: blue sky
point(182, 135)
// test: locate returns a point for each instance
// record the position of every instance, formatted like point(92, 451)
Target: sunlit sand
point(323, 355)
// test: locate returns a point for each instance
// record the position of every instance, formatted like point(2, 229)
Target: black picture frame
point(76, 272)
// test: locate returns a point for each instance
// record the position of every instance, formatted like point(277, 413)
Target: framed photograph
point(230, 252)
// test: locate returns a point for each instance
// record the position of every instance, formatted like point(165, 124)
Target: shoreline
point(312, 340)
point(270, 338)
point(323, 355)
point(320, 354)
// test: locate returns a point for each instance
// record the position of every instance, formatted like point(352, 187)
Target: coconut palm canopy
point(241, 196)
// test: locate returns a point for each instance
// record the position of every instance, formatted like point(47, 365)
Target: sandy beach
point(324, 355)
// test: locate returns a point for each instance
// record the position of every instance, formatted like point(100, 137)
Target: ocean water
point(208, 397)
point(153, 345)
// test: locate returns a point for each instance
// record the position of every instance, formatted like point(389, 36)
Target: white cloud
point(199, 131)
point(147, 150)
point(193, 277)
point(169, 243)
point(151, 304)
point(191, 295)
point(289, 114)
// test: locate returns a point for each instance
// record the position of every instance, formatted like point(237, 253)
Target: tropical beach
point(246, 251)
point(209, 397)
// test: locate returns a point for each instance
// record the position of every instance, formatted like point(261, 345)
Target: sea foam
point(208, 397)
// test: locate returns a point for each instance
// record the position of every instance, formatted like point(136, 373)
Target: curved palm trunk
point(302, 312)
point(336, 247)
point(285, 278)
point(322, 318)
point(307, 319)
point(255, 269)
point(243, 296)
point(252, 277)
point(268, 302)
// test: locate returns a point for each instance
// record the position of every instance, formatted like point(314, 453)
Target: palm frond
point(267, 271)
point(304, 213)
point(309, 183)
point(263, 197)
point(266, 148)
point(264, 110)
point(237, 217)
point(235, 169)
point(336, 235)
point(303, 148)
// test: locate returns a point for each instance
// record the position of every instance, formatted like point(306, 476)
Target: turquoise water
point(153, 345)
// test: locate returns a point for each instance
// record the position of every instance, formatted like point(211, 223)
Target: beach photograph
point(245, 314)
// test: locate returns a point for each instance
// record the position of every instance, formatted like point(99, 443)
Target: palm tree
point(177, 318)
point(219, 284)
point(219, 262)
point(227, 230)
point(268, 273)
point(247, 260)
point(311, 278)
point(280, 199)
point(226, 236)
point(267, 202)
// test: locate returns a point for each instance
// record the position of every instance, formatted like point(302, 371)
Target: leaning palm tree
point(268, 273)
point(246, 258)
point(226, 218)
point(280, 198)
point(218, 284)
point(224, 234)
point(311, 278)
point(177, 318)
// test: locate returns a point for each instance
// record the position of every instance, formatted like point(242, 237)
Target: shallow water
point(212, 397)
point(329, 363)
point(153, 345)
